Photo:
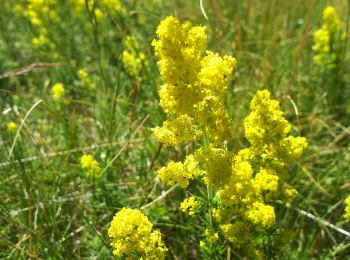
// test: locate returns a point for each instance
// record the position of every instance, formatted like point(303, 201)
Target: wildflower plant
point(329, 57)
point(328, 40)
point(40, 13)
point(133, 59)
point(242, 187)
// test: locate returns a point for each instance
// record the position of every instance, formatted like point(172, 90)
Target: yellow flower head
point(261, 214)
point(189, 205)
point(98, 14)
point(238, 233)
point(267, 131)
point(11, 127)
point(211, 236)
point(130, 63)
point(131, 236)
point(176, 131)
point(326, 39)
point(217, 165)
point(195, 83)
point(181, 173)
point(331, 19)
point(91, 166)
point(57, 91)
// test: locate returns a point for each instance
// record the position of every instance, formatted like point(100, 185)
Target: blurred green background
point(50, 210)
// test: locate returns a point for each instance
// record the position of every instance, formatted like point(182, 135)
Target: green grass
point(50, 210)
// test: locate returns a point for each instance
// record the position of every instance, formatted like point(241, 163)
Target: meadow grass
point(50, 209)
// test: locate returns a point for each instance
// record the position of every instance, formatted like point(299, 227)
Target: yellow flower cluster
point(216, 163)
point(39, 13)
point(133, 60)
point(57, 92)
point(181, 173)
point(176, 131)
point(91, 166)
point(327, 38)
point(347, 208)
point(193, 95)
point(258, 172)
point(189, 205)
point(43, 12)
point(268, 133)
point(194, 84)
point(211, 236)
point(132, 236)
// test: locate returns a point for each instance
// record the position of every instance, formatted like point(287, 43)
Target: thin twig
point(319, 220)
point(66, 152)
point(30, 67)
point(295, 110)
point(160, 197)
point(20, 127)
point(125, 145)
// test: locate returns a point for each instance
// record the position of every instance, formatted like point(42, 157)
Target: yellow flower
point(133, 59)
point(211, 236)
point(83, 74)
point(11, 127)
point(327, 38)
point(181, 173)
point(289, 194)
point(57, 91)
point(237, 233)
point(130, 63)
point(261, 214)
point(39, 41)
point(258, 172)
point(347, 208)
point(86, 80)
point(195, 85)
point(189, 205)
point(267, 132)
point(176, 131)
point(331, 19)
point(216, 164)
point(131, 236)
point(98, 14)
point(265, 180)
point(89, 164)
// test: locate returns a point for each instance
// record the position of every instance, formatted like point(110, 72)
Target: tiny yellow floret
point(11, 127)
point(57, 91)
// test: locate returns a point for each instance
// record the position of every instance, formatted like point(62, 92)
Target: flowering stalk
point(246, 184)
point(329, 46)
